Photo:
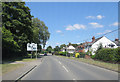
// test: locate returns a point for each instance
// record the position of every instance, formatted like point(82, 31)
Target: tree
point(49, 49)
point(20, 28)
point(74, 45)
point(16, 21)
point(99, 48)
point(63, 45)
point(40, 31)
point(56, 48)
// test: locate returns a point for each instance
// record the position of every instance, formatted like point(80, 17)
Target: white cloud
point(75, 27)
point(58, 31)
point(90, 17)
point(95, 17)
point(100, 17)
point(106, 31)
point(114, 24)
point(96, 25)
point(57, 43)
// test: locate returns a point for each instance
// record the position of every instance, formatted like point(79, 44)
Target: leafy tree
point(49, 49)
point(16, 23)
point(41, 31)
point(99, 47)
point(74, 45)
point(19, 29)
point(57, 48)
point(63, 45)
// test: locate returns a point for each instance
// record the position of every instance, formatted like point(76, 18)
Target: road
point(59, 68)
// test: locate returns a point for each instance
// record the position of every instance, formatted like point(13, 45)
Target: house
point(63, 49)
point(117, 42)
point(69, 49)
point(93, 46)
point(80, 48)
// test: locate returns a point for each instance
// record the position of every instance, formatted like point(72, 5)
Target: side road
point(14, 75)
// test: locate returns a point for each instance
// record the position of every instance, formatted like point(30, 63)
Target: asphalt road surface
point(58, 68)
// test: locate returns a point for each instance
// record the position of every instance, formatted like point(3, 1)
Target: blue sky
point(76, 21)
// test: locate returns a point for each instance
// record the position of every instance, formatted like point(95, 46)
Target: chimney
point(116, 39)
point(93, 39)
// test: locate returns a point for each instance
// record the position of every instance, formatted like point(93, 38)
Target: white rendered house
point(106, 43)
point(70, 49)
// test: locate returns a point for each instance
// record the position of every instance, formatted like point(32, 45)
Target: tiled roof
point(97, 39)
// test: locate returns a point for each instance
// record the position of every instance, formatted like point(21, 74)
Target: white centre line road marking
point(65, 68)
point(59, 62)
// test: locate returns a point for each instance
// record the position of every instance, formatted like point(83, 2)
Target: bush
point(56, 53)
point(82, 55)
point(63, 53)
point(93, 56)
point(71, 54)
point(107, 54)
point(29, 55)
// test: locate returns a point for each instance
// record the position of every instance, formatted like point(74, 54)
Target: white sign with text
point(31, 47)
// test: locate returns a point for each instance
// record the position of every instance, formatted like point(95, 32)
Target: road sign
point(31, 47)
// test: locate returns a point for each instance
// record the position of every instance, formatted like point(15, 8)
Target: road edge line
point(25, 73)
point(96, 65)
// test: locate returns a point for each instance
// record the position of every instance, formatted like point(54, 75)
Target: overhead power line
point(102, 34)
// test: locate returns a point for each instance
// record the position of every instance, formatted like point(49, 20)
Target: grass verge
point(109, 66)
point(27, 59)
point(10, 67)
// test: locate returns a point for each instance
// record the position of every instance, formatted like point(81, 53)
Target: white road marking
point(65, 68)
point(73, 79)
point(59, 62)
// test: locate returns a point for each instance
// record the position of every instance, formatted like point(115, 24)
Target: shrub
point(60, 53)
point(63, 53)
point(93, 56)
point(82, 55)
point(107, 54)
point(56, 53)
point(71, 54)
point(29, 55)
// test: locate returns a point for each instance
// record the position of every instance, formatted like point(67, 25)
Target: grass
point(10, 67)
point(28, 59)
point(110, 66)
point(18, 60)
point(0, 69)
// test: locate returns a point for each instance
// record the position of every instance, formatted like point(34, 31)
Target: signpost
point(32, 47)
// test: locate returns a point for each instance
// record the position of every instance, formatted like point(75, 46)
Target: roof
point(117, 43)
point(90, 43)
point(97, 39)
point(70, 47)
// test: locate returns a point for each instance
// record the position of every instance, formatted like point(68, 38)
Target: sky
point(76, 22)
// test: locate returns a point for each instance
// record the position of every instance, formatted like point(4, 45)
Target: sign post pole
point(36, 50)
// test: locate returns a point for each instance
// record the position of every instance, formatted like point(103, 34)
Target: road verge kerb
point(25, 73)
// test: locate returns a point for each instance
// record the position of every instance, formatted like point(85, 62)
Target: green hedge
point(108, 54)
point(56, 53)
point(82, 55)
point(63, 53)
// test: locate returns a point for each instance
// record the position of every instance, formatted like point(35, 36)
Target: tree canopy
point(19, 27)
point(49, 49)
